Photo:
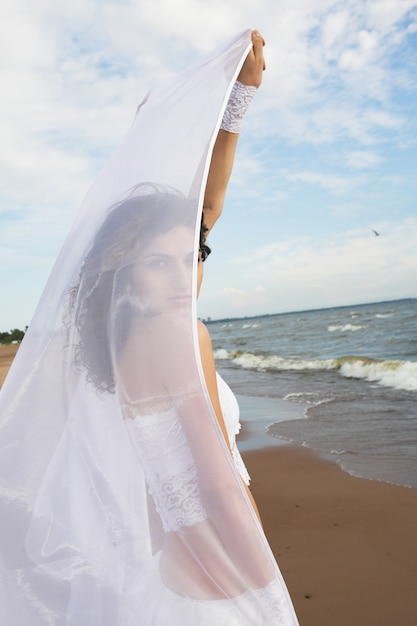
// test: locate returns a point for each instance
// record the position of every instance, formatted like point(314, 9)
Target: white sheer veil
point(119, 502)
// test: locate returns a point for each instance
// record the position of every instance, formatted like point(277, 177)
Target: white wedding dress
point(231, 415)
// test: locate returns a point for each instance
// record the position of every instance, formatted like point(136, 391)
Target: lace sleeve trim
point(240, 98)
point(169, 468)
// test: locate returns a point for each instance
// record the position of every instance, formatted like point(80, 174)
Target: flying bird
point(376, 232)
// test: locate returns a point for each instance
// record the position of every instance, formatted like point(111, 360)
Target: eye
point(156, 261)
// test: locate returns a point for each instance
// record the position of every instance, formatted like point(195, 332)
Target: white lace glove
point(240, 98)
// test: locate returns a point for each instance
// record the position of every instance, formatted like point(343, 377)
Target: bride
point(125, 499)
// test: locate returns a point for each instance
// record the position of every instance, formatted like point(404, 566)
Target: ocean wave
point(260, 362)
point(341, 452)
point(308, 397)
point(345, 327)
point(396, 374)
point(221, 354)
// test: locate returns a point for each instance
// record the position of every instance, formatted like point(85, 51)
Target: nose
point(182, 277)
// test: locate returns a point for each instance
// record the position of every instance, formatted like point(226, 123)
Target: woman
point(120, 482)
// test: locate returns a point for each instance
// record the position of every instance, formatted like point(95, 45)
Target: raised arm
point(226, 142)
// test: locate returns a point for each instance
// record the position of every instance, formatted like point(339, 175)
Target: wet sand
point(347, 546)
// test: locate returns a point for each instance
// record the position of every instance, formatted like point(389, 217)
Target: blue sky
point(328, 151)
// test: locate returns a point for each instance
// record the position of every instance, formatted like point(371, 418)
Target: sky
point(327, 153)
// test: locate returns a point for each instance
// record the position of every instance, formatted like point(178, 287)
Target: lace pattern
point(240, 98)
point(275, 606)
point(169, 467)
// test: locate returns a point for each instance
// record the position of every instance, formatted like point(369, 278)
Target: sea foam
point(396, 374)
point(345, 327)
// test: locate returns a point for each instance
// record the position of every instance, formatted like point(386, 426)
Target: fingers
point(258, 43)
point(257, 40)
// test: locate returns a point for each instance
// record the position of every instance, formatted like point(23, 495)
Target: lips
point(180, 300)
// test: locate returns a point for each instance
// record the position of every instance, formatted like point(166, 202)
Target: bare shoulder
point(203, 337)
point(207, 357)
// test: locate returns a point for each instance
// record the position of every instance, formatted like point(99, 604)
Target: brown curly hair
point(148, 211)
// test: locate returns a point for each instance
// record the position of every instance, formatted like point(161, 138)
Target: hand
point(254, 65)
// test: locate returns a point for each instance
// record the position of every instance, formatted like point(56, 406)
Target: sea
point(342, 381)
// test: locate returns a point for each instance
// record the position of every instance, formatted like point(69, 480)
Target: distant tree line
point(13, 336)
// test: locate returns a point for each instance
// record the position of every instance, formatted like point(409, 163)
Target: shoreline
point(346, 546)
point(258, 413)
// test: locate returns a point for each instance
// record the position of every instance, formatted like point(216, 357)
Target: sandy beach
point(347, 546)
point(7, 354)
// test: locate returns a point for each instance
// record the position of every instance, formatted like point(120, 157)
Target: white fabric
point(172, 477)
point(231, 415)
point(239, 101)
point(87, 538)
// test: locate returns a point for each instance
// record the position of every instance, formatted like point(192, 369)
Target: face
point(163, 273)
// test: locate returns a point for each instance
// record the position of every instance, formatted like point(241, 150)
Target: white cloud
point(385, 14)
point(384, 119)
point(316, 101)
point(362, 54)
point(72, 74)
point(337, 185)
point(239, 300)
point(363, 159)
point(346, 268)
point(334, 31)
